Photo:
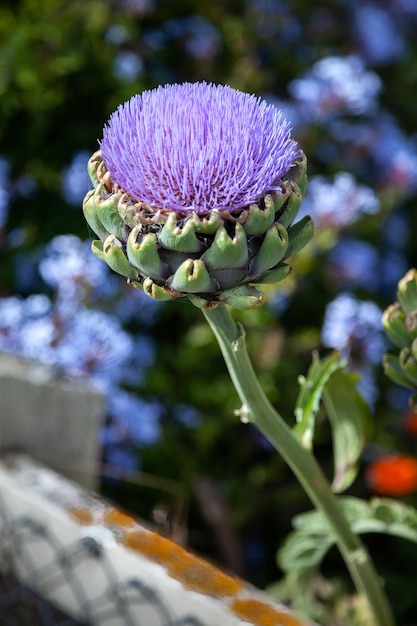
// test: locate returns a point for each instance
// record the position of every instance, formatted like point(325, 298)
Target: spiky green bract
point(218, 257)
point(400, 324)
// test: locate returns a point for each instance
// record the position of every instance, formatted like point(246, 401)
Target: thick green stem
point(258, 410)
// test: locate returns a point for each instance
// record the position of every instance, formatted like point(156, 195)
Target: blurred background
point(173, 452)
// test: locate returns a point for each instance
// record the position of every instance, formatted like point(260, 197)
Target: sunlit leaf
point(348, 415)
point(310, 394)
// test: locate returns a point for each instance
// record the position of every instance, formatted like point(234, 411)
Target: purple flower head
point(198, 147)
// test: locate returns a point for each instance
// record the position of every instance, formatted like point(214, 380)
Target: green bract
point(400, 323)
point(219, 257)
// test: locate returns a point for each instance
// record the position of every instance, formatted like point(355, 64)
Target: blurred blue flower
point(380, 141)
point(138, 8)
point(274, 18)
point(395, 156)
point(127, 66)
point(354, 263)
point(74, 273)
point(378, 35)
point(116, 34)
point(87, 343)
point(93, 344)
point(337, 86)
point(187, 415)
point(134, 306)
point(339, 203)
point(75, 181)
point(133, 369)
point(354, 327)
point(133, 419)
point(4, 191)
point(17, 317)
point(202, 39)
point(25, 185)
point(122, 458)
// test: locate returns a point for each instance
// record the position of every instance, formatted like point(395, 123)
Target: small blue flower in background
point(16, 316)
point(378, 35)
point(381, 143)
point(274, 18)
point(354, 328)
point(197, 147)
point(127, 66)
point(138, 8)
point(94, 345)
point(354, 263)
point(337, 86)
point(74, 273)
point(133, 419)
point(132, 423)
point(74, 180)
point(339, 203)
point(133, 369)
point(116, 34)
point(187, 415)
point(89, 343)
point(4, 191)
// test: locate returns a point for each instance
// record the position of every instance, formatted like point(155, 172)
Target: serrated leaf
point(313, 536)
point(310, 394)
point(348, 415)
point(303, 552)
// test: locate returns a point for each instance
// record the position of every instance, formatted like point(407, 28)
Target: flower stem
point(258, 410)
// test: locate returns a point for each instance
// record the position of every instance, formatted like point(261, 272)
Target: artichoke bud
point(143, 254)
point(111, 252)
point(212, 257)
point(407, 292)
point(393, 321)
point(400, 323)
point(272, 250)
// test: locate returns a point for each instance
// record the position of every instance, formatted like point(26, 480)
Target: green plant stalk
point(257, 409)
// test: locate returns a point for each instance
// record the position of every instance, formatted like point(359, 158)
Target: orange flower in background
point(409, 423)
point(393, 475)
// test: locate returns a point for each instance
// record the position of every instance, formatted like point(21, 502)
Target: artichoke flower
point(400, 323)
point(196, 187)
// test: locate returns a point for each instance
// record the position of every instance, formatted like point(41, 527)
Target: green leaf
point(348, 415)
point(313, 536)
point(309, 397)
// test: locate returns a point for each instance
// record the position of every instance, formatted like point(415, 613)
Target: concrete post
point(53, 418)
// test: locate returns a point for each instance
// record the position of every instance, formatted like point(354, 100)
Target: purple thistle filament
point(198, 147)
